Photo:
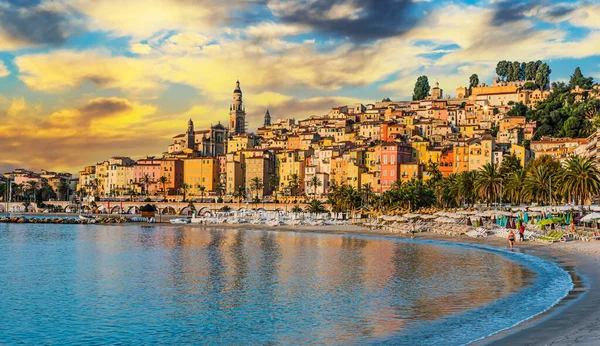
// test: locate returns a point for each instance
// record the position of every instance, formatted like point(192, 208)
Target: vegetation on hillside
point(560, 115)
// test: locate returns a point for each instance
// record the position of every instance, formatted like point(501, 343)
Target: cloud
point(73, 137)
point(26, 23)
point(63, 70)
point(141, 48)
point(3, 70)
point(358, 20)
point(507, 11)
point(143, 18)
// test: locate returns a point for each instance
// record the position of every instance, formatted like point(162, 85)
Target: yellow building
point(291, 163)
point(258, 169)
point(201, 172)
point(410, 171)
point(461, 156)
point(241, 142)
point(419, 152)
point(481, 152)
point(234, 173)
point(521, 153)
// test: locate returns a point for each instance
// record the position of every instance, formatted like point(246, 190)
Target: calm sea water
point(73, 284)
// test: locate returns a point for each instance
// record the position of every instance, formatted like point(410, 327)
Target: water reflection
point(144, 284)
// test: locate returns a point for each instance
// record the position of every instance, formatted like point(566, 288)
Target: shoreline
point(575, 319)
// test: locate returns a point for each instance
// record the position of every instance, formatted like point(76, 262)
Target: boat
point(180, 221)
point(88, 219)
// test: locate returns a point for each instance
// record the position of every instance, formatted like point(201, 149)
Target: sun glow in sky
point(83, 80)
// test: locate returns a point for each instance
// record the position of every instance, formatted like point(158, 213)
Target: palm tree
point(314, 182)
point(366, 192)
point(32, 186)
point(434, 171)
point(220, 189)
point(295, 183)
point(240, 193)
point(274, 183)
point(488, 183)
point(580, 180)
point(255, 185)
point(537, 184)
point(514, 188)
point(202, 190)
point(64, 189)
point(146, 180)
point(185, 187)
point(465, 188)
point(163, 181)
point(315, 206)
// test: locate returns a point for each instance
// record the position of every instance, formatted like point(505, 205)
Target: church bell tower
point(237, 112)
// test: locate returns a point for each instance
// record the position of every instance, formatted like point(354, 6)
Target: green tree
point(240, 193)
point(502, 69)
point(514, 187)
point(202, 190)
point(518, 110)
point(64, 189)
point(465, 187)
point(146, 181)
point(580, 179)
point(473, 82)
point(488, 183)
point(530, 86)
point(185, 187)
point(256, 185)
point(530, 70)
point(510, 164)
point(421, 90)
point(577, 79)
point(522, 71)
point(315, 206)
point(314, 182)
point(295, 182)
point(163, 181)
point(387, 99)
point(542, 76)
point(515, 72)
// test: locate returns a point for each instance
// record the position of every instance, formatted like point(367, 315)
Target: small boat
point(89, 219)
point(180, 221)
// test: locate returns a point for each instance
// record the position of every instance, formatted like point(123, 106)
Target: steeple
point(267, 118)
point(237, 112)
point(191, 135)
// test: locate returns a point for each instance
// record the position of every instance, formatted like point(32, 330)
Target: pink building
point(392, 155)
point(143, 167)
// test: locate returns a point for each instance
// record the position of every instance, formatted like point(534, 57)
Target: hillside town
point(364, 146)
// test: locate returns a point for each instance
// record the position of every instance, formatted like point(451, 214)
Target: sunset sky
point(83, 80)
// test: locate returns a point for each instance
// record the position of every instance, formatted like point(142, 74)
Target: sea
point(109, 284)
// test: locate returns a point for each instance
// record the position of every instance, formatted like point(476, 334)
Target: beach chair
point(553, 236)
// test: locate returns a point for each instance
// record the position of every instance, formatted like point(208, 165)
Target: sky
point(84, 80)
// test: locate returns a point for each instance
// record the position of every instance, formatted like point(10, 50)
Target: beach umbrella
point(526, 217)
point(548, 221)
point(469, 222)
point(590, 217)
point(480, 221)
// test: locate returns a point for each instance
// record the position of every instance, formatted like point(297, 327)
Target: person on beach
point(522, 232)
point(412, 231)
point(511, 238)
